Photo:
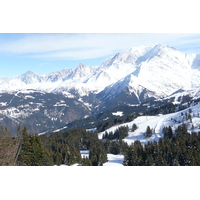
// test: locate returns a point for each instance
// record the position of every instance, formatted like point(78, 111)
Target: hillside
point(189, 116)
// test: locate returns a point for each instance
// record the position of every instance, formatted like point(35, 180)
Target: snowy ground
point(157, 123)
point(114, 160)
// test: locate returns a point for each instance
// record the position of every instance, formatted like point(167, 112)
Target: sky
point(47, 52)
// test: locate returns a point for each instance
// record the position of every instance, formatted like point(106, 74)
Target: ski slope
point(157, 123)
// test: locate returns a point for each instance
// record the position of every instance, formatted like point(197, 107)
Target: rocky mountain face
point(138, 75)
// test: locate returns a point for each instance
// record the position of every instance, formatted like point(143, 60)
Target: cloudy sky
point(44, 53)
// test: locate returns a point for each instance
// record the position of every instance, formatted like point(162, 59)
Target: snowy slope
point(157, 123)
point(159, 69)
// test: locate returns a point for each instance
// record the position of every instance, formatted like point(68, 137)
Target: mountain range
point(139, 75)
point(156, 68)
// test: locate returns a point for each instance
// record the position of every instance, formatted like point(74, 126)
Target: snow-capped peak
point(29, 77)
point(160, 68)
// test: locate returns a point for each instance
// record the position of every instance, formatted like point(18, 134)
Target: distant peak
point(81, 65)
point(163, 46)
point(4, 79)
point(29, 72)
point(153, 45)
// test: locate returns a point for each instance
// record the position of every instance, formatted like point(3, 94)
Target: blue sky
point(44, 53)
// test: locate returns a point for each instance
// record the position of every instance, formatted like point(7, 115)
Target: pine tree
point(149, 160)
point(86, 162)
point(160, 161)
point(33, 153)
point(134, 127)
point(115, 148)
point(26, 149)
point(148, 132)
point(128, 157)
point(170, 132)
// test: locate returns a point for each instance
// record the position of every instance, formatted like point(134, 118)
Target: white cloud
point(92, 45)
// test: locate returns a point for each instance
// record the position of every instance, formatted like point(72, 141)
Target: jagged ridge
point(153, 71)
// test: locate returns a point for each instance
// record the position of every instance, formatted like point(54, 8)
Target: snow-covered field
point(114, 160)
point(157, 123)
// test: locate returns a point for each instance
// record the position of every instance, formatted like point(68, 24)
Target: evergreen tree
point(149, 161)
point(167, 131)
point(33, 153)
point(148, 132)
point(26, 149)
point(115, 148)
point(86, 162)
point(129, 157)
point(134, 127)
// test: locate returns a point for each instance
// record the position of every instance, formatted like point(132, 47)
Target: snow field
point(157, 123)
point(114, 160)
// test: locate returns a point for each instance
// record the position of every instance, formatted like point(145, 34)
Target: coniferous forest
point(180, 149)
point(24, 149)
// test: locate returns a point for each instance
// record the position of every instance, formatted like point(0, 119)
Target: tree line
point(119, 120)
point(26, 149)
point(178, 148)
point(65, 147)
point(119, 134)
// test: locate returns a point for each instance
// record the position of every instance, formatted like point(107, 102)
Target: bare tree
point(9, 147)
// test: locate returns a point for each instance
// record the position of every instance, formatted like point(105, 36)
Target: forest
point(178, 149)
point(174, 149)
